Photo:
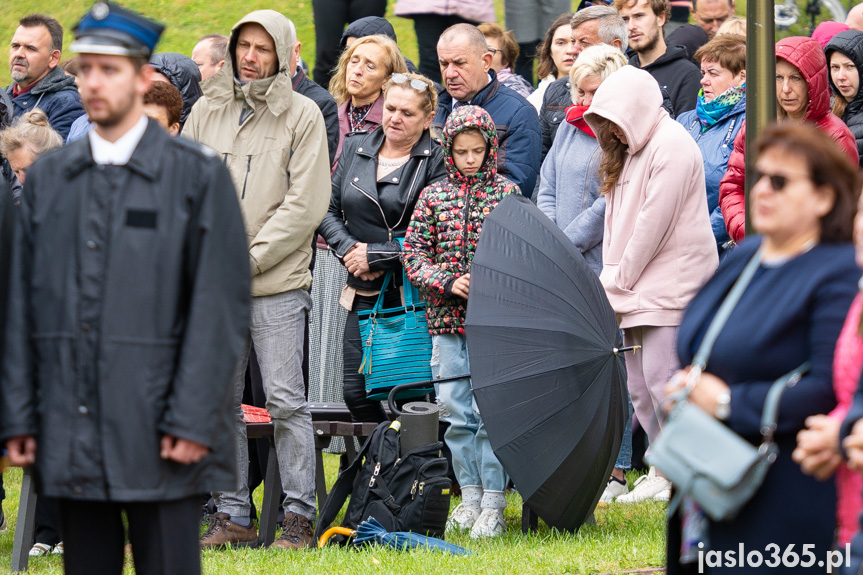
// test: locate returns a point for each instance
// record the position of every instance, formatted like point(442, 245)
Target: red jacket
point(806, 55)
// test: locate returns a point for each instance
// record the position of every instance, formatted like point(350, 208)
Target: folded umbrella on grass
point(371, 532)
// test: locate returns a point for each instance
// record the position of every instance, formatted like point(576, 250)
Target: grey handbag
point(707, 461)
point(702, 457)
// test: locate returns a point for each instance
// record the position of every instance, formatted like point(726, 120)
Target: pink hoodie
point(658, 248)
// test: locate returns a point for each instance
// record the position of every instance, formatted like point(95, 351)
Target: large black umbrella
point(547, 375)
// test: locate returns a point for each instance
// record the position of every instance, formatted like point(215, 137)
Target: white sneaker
point(648, 487)
point(489, 524)
point(614, 489)
point(58, 549)
point(463, 517)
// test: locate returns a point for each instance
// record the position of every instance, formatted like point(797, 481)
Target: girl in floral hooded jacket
point(439, 247)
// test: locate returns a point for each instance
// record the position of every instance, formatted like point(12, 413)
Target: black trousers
point(47, 521)
point(362, 408)
point(330, 19)
point(164, 536)
point(428, 28)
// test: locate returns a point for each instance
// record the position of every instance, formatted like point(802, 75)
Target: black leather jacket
point(363, 209)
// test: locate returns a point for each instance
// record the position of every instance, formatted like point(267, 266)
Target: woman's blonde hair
point(33, 131)
point(393, 62)
point(428, 94)
point(734, 25)
point(601, 61)
point(613, 154)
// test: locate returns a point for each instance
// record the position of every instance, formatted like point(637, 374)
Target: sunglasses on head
point(778, 182)
point(415, 83)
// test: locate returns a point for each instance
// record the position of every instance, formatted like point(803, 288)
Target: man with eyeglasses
point(711, 14)
point(274, 142)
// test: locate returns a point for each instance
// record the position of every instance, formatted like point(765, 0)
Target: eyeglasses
point(778, 182)
point(494, 51)
point(415, 83)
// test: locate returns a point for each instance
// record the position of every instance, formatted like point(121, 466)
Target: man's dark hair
point(166, 96)
point(54, 28)
point(218, 47)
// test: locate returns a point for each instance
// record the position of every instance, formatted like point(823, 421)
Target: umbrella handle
point(391, 398)
point(335, 531)
point(632, 348)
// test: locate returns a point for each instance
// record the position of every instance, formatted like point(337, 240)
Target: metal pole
point(760, 81)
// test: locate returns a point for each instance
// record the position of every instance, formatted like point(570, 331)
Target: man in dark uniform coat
point(127, 319)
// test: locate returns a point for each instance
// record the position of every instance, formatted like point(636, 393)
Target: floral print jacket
point(444, 229)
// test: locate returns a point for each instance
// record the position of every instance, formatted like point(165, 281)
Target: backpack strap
point(343, 485)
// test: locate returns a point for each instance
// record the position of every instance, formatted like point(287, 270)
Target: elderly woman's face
point(20, 160)
point(365, 73)
point(497, 63)
point(715, 79)
point(404, 119)
point(785, 202)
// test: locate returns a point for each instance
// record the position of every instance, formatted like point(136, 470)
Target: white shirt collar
point(119, 152)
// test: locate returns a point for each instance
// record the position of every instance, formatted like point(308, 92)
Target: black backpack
point(410, 493)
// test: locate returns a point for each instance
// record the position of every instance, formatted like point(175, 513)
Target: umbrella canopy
point(542, 342)
point(371, 531)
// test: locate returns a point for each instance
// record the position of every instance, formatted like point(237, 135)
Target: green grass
point(624, 537)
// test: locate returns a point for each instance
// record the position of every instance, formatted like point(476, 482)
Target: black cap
point(111, 29)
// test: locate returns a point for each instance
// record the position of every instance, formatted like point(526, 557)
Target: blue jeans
point(276, 329)
point(473, 460)
point(624, 456)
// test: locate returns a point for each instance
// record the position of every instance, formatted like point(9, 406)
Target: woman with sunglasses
point(375, 187)
point(791, 311)
point(802, 95)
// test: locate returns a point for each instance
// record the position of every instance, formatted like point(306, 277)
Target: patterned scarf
point(357, 116)
point(711, 112)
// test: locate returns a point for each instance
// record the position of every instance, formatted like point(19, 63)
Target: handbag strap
point(411, 293)
point(699, 362)
point(380, 301)
point(771, 403)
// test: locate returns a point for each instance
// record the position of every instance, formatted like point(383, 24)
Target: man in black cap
point(128, 319)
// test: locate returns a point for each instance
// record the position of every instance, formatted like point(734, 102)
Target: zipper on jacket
point(466, 222)
point(246, 178)
point(413, 183)
point(366, 194)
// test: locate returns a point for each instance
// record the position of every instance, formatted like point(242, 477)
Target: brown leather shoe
point(297, 534)
point(221, 531)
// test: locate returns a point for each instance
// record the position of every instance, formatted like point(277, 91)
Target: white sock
point(493, 500)
point(471, 496)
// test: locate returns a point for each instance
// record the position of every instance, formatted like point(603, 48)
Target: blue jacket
point(569, 191)
point(57, 95)
point(716, 145)
point(517, 125)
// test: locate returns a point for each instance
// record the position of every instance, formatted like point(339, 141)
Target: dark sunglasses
point(415, 83)
point(777, 181)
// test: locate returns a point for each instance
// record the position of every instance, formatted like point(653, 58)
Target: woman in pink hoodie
point(658, 247)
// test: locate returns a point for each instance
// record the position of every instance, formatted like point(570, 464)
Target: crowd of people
point(182, 174)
